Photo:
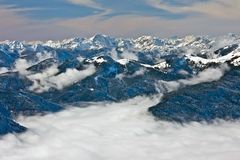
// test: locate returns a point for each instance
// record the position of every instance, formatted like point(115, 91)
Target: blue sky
point(58, 19)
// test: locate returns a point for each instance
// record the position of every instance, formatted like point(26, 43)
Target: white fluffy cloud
point(3, 70)
point(129, 55)
point(119, 131)
point(139, 72)
point(208, 75)
point(21, 66)
point(46, 79)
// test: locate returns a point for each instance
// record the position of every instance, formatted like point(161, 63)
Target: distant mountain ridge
point(41, 77)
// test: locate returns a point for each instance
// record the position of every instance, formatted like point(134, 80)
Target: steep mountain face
point(198, 76)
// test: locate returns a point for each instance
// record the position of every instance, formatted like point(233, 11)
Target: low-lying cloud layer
point(49, 78)
point(207, 75)
point(3, 70)
point(119, 131)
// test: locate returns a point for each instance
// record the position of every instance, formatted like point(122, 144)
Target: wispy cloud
point(217, 8)
point(19, 27)
point(63, 9)
point(34, 20)
point(135, 26)
point(54, 9)
point(88, 3)
point(208, 75)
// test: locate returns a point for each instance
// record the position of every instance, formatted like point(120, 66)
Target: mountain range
point(196, 76)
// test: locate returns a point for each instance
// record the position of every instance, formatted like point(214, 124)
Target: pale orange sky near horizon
point(162, 18)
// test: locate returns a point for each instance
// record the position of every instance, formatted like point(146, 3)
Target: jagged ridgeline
point(198, 76)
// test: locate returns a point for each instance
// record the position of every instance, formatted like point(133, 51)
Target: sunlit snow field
point(119, 131)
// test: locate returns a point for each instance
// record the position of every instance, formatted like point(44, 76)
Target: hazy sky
point(59, 19)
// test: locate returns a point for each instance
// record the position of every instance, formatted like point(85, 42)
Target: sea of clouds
point(117, 131)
